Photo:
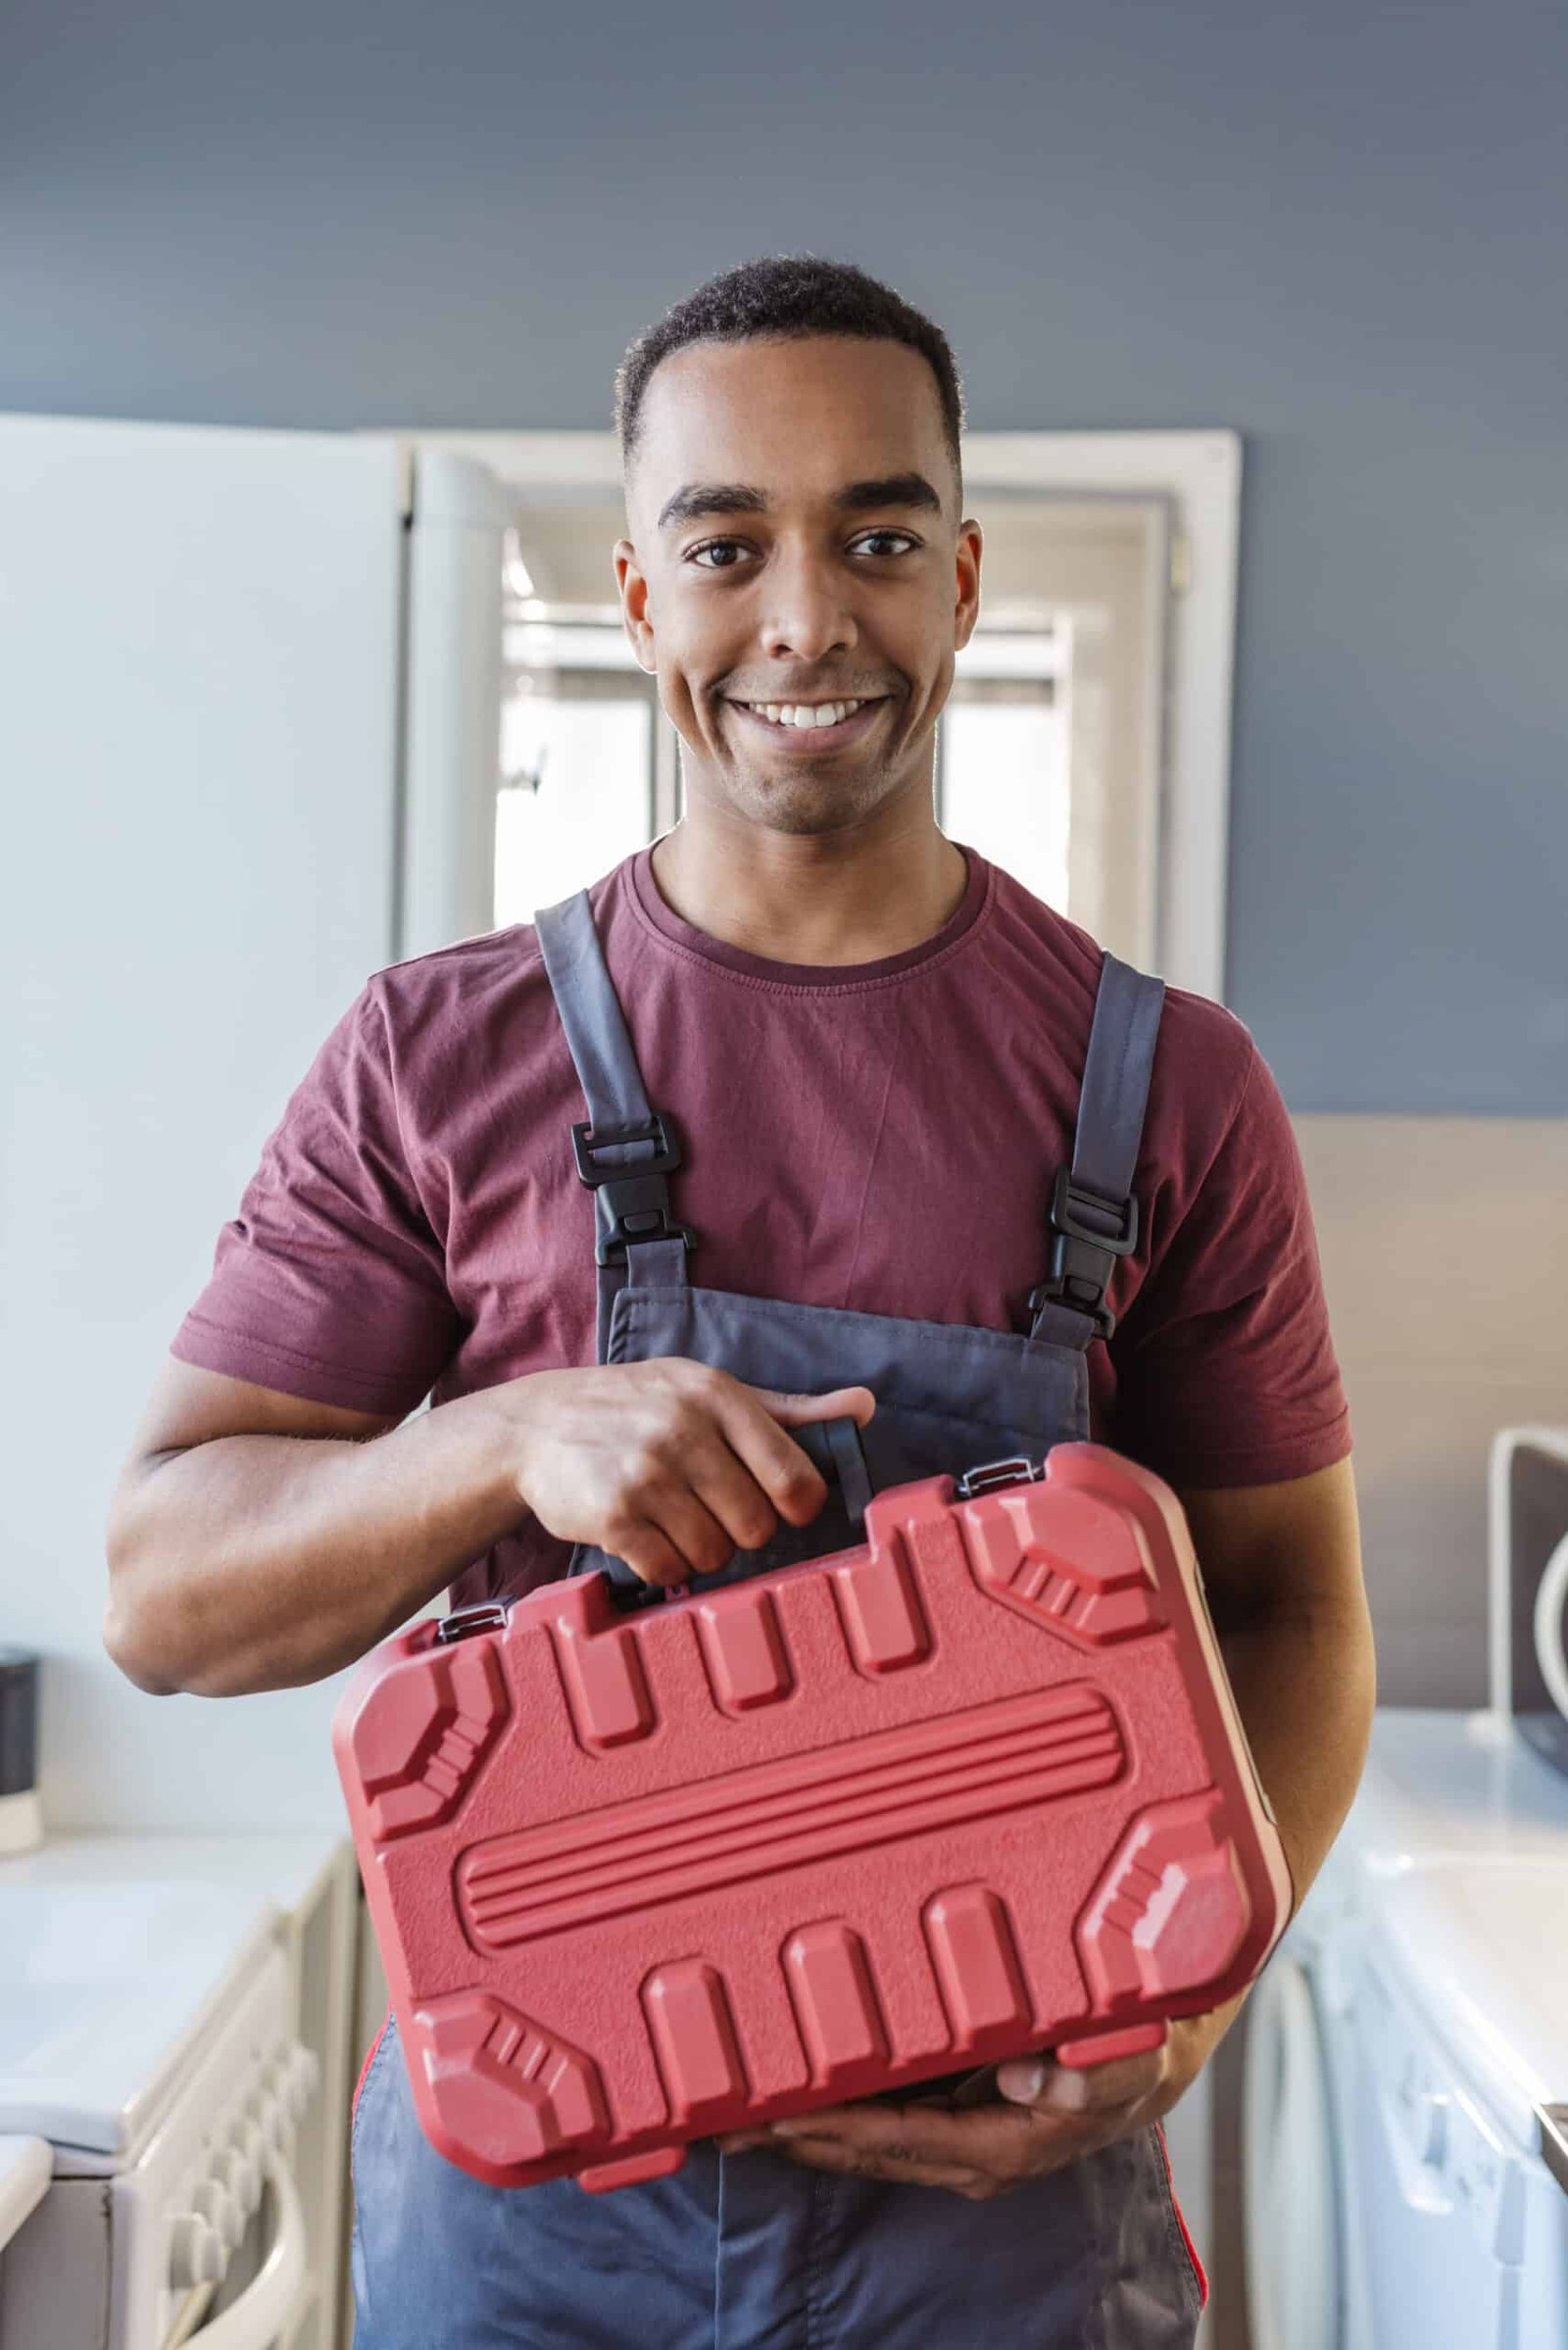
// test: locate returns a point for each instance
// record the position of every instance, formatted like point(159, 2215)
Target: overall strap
point(1093, 1214)
point(623, 1149)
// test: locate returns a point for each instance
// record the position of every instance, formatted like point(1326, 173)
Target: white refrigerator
point(249, 713)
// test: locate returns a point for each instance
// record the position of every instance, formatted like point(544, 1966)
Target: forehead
point(789, 416)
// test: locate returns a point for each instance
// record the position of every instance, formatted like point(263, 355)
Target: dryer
point(1304, 2288)
point(1456, 2047)
point(1439, 1786)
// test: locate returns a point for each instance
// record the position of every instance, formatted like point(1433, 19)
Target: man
point(873, 1043)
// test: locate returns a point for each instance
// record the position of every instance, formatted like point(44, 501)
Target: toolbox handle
point(833, 1446)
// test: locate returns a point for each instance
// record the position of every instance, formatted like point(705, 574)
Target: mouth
point(812, 725)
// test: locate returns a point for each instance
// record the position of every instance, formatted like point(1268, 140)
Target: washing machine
point(1451, 1807)
point(1456, 2047)
point(1303, 2287)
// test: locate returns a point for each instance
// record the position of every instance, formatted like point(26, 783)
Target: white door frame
point(1200, 474)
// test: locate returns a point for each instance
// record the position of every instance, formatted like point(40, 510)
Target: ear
point(632, 587)
point(967, 609)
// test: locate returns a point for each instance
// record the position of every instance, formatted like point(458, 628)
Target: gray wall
point(1342, 235)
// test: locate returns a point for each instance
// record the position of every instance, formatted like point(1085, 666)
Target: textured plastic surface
point(976, 1788)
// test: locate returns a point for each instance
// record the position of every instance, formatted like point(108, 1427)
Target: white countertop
point(1439, 1782)
point(281, 1869)
point(116, 1953)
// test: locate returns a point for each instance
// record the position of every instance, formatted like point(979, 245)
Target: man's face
point(796, 545)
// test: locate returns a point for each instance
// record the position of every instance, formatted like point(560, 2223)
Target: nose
point(807, 615)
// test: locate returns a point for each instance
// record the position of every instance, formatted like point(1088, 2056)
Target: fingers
point(899, 2163)
point(834, 2140)
point(687, 1499)
point(978, 2153)
point(856, 1403)
point(1040, 2082)
point(988, 2143)
point(699, 1541)
point(645, 1547)
point(753, 1420)
point(673, 1465)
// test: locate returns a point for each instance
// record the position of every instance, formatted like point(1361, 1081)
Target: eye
point(720, 547)
point(907, 537)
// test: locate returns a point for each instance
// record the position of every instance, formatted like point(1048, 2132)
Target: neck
point(849, 897)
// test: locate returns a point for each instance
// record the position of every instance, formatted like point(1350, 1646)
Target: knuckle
point(798, 1486)
point(644, 1464)
point(619, 1528)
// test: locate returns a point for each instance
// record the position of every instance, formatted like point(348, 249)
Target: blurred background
point(310, 661)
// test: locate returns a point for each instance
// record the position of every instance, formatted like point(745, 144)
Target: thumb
point(856, 1403)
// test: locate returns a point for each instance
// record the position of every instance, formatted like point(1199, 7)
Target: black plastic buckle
point(1080, 1256)
point(637, 1194)
point(991, 1474)
point(488, 1615)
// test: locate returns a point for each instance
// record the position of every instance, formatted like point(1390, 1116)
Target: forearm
point(1304, 1680)
point(257, 1562)
point(1305, 1687)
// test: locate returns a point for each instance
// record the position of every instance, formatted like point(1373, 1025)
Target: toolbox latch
point(991, 1474)
point(490, 1615)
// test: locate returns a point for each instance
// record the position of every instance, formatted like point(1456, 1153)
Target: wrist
point(490, 1451)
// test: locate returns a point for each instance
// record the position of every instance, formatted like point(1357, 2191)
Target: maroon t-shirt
point(876, 1136)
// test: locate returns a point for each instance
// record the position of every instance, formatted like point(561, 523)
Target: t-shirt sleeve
point(1226, 1370)
point(330, 1283)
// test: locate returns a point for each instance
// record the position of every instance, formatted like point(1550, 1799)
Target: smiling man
point(920, 1155)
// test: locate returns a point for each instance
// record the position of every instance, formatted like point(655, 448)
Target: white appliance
point(1304, 2287)
point(249, 714)
point(1457, 2030)
point(1528, 1544)
point(146, 2038)
point(1361, 2195)
point(25, 2166)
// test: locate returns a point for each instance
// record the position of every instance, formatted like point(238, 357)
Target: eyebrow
point(856, 496)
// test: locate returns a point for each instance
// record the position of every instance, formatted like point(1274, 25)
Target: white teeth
point(803, 713)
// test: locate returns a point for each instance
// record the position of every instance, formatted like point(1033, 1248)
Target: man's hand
point(1049, 2115)
point(669, 1464)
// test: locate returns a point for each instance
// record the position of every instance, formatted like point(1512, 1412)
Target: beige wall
point(1445, 1247)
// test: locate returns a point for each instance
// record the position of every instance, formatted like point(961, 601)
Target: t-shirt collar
point(662, 918)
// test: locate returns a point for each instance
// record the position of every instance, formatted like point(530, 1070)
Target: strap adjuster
point(636, 1194)
point(1081, 1255)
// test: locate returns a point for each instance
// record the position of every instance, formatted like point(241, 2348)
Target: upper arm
point(331, 1280)
point(1293, 1547)
point(1226, 1374)
point(190, 1407)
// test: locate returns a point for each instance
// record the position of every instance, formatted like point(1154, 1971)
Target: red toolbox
point(975, 1788)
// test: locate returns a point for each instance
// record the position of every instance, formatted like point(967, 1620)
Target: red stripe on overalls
point(369, 2058)
point(1175, 2203)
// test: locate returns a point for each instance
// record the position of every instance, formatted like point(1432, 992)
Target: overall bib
point(752, 2251)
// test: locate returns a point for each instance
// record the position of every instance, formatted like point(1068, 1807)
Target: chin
point(800, 805)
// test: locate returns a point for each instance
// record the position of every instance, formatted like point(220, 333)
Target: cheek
point(682, 705)
point(684, 659)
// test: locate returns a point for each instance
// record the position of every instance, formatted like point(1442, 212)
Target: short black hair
point(789, 295)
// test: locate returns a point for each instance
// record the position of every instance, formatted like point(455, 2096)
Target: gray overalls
point(752, 2251)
